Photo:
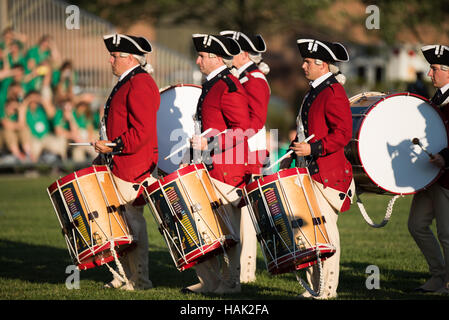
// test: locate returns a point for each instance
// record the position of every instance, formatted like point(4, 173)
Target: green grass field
point(34, 256)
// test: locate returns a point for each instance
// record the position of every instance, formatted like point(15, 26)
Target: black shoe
point(186, 291)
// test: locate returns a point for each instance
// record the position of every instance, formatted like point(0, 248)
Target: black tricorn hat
point(323, 50)
point(436, 54)
point(126, 43)
point(248, 43)
point(217, 44)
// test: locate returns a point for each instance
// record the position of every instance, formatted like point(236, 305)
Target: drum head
point(386, 150)
point(175, 123)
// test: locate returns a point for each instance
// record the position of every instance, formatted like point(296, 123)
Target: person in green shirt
point(9, 36)
point(39, 52)
point(75, 124)
point(63, 81)
point(15, 55)
point(15, 131)
point(39, 115)
point(14, 75)
point(40, 60)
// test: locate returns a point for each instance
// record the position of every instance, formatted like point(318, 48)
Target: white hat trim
point(439, 49)
point(208, 40)
point(236, 35)
point(313, 47)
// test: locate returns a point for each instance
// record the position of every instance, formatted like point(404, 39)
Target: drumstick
point(186, 145)
point(417, 142)
point(290, 152)
point(86, 144)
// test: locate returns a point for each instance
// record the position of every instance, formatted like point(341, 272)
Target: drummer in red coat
point(130, 123)
point(251, 71)
point(325, 112)
point(222, 106)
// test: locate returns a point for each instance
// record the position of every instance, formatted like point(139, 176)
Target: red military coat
point(131, 115)
point(258, 92)
point(326, 113)
point(224, 105)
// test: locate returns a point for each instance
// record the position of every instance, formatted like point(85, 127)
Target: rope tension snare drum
point(190, 216)
point(91, 216)
point(288, 221)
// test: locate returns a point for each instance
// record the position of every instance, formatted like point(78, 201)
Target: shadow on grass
point(41, 264)
point(393, 284)
point(46, 264)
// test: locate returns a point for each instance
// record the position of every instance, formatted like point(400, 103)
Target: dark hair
point(66, 64)
point(18, 66)
point(32, 92)
point(44, 38)
point(10, 100)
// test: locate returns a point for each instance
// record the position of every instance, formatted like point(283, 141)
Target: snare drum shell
point(186, 204)
point(87, 198)
point(280, 199)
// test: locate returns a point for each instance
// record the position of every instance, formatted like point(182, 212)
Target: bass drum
point(382, 154)
point(175, 122)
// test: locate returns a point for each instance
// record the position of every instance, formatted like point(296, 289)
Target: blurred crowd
point(42, 109)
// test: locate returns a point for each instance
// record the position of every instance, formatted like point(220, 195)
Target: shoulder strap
point(231, 85)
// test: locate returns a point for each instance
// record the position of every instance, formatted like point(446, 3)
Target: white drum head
point(386, 150)
point(175, 123)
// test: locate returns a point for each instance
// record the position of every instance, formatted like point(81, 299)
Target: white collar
point(244, 67)
point(215, 72)
point(444, 88)
point(124, 74)
point(315, 83)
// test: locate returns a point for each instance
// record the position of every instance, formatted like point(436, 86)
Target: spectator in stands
point(16, 91)
point(8, 76)
point(9, 36)
point(75, 124)
point(63, 81)
point(40, 61)
point(15, 54)
point(87, 132)
point(44, 50)
point(40, 113)
point(16, 133)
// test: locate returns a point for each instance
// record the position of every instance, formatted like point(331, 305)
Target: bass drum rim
point(370, 108)
point(166, 169)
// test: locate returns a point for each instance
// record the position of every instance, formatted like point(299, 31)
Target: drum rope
point(388, 212)
point(321, 282)
point(114, 273)
point(123, 277)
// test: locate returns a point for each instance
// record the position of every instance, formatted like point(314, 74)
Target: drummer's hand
point(301, 149)
point(198, 142)
point(437, 160)
point(100, 146)
point(182, 165)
